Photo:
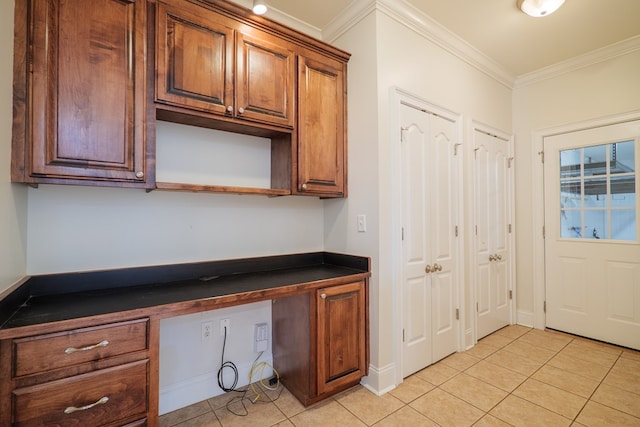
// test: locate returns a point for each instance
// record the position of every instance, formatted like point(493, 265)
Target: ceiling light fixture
point(259, 7)
point(538, 8)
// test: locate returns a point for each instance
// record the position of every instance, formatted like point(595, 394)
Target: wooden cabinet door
point(87, 118)
point(341, 335)
point(194, 58)
point(321, 132)
point(264, 83)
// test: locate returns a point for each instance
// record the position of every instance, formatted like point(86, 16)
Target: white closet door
point(429, 288)
point(492, 205)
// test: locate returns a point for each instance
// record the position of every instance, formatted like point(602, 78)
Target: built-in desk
point(83, 347)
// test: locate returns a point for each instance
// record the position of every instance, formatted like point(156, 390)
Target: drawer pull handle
point(323, 296)
point(72, 409)
point(70, 350)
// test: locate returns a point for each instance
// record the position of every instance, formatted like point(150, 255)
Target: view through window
point(598, 192)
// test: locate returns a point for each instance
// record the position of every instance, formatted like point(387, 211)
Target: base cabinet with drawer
point(320, 341)
point(93, 376)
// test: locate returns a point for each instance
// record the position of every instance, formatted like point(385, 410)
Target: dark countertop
point(51, 298)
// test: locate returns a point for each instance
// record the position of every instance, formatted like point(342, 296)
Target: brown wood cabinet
point(91, 78)
point(321, 132)
point(320, 344)
point(93, 344)
point(214, 64)
point(95, 376)
point(79, 92)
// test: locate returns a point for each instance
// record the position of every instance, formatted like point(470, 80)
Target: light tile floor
point(516, 376)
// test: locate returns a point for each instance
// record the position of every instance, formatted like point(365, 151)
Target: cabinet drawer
point(46, 352)
point(92, 399)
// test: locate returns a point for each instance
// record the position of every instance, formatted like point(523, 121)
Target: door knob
point(498, 257)
point(492, 258)
point(428, 269)
point(437, 267)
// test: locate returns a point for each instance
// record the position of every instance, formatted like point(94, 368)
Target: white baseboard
point(524, 318)
point(380, 380)
point(468, 339)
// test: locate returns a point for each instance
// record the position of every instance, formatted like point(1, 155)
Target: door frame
point(538, 317)
point(397, 96)
point(473, 261)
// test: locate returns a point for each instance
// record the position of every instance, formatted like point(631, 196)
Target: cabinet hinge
point(476, 230)
point(544, 233)
point(403, 233)
point(510, 294)
point(541, 153)
point(509, 228)
point(544, 306)
point(477, 307)
point(455, 149)
point(457, 314)
point(456, 231)
point(402, 131)
point(403, 335)
point(509, 161)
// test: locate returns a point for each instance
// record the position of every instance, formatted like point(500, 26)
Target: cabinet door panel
point(265, 76)
point(341, 335)
point(88, 87)
point(321, 128)
point(194, 58)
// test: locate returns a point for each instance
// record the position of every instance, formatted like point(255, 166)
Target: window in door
point(598, 192)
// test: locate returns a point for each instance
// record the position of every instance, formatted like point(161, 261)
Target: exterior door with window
point(592, 245)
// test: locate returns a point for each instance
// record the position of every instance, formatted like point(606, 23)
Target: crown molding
point(293, 22)
point(417, 21)
point(606, 53)
point(284, 19)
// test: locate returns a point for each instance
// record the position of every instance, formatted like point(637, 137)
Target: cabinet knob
point(230, 108)
point(304, 186)
point(323, 296)
point(240, 110)
point(139, 174)
point(428, 269)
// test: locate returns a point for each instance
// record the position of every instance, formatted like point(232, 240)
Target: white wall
point(600, 90)
point(13, 198)
point(386, 53)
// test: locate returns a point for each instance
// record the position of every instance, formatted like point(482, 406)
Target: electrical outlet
point(205, 331)
point(225, 323)
point(261, 339)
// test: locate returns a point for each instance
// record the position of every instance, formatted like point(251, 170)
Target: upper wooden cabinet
point(213, 64)
point(92, 78)
point(321, 132)
point(79, 96)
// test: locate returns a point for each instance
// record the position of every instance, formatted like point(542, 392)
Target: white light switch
point(362, 223)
